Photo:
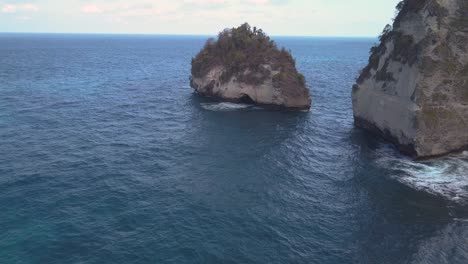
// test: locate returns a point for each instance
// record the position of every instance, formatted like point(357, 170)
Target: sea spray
point(227, 107)
point(446, 176)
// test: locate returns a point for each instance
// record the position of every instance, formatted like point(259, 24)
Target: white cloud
point(276, 17)
point(90, 9)
point(19, 8)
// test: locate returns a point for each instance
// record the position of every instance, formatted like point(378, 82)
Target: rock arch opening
point(245, 99)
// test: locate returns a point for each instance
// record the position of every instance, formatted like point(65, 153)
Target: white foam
point(447, 176)
point(225, 107)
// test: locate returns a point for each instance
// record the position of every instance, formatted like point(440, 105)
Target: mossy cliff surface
point(245, 65)
point(414, 91)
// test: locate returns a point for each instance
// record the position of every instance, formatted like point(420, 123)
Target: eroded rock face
point(243, 65)
point(266, 93)
point(414, 91)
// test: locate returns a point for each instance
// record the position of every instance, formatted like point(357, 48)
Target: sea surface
point(106, 156)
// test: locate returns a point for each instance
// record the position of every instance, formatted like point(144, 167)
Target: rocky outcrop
point(414, 91)
point(266, 93)
point(245, 66)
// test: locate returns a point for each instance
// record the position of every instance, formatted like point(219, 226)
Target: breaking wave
point(227, 107)
point(447, 176)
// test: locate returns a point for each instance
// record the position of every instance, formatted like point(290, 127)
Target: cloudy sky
point(206, 17)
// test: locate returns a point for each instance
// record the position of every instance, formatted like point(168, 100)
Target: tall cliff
point(414, 91)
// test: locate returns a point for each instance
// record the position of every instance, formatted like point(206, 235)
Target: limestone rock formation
point(243, 65)
point(414, 91)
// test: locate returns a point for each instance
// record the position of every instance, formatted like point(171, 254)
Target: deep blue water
point(106, 156)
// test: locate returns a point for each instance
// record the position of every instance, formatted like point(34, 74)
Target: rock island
point(245, 66)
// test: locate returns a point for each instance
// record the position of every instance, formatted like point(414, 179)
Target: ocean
point(107, 156)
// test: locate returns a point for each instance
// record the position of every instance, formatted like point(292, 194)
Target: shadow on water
point(401, 223)
point(232, 145)
point(229, 115)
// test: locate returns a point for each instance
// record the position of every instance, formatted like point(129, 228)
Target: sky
point(198, 17)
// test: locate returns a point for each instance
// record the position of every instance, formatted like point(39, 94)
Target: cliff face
point(414, 91)
point(266, 93)
point(244, 65)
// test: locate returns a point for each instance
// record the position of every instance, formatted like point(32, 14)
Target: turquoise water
point(106, 156)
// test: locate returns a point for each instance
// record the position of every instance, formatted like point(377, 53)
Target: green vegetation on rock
point(405, 49)
point(250, 56)
point(409, 6)
point(461, 21)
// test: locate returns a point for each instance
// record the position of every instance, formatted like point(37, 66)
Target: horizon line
point(179, 34)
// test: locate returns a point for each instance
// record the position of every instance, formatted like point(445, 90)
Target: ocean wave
point(226, 107)
point(446, 176)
